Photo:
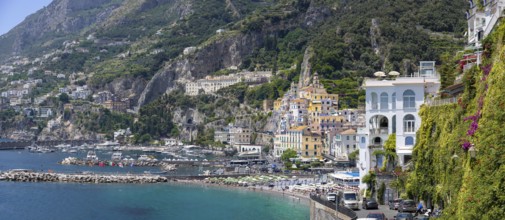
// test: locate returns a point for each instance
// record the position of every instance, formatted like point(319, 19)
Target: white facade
point(481, 21)
point(392, 106)
point(344, 143)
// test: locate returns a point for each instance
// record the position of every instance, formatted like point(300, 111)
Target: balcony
point(375, 146)
point(379, 131)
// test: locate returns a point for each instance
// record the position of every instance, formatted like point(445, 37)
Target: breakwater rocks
point(28, 176)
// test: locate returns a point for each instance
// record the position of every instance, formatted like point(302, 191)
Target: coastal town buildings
point(212, 84)
point(392, 107)
point(307, 114)
point(482, 18)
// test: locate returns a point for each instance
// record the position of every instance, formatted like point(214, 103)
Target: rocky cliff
point(219, 54)
point(53, 24)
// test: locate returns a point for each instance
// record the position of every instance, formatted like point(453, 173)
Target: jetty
point(30, 176)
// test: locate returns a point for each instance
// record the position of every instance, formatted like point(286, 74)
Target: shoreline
point(260, 189)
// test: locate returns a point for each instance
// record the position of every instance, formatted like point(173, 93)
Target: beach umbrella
point(394, 73)
point(379, 74)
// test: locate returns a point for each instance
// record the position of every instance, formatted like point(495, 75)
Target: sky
point(13, 12)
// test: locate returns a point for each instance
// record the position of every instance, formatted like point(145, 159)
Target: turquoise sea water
point(129, 201)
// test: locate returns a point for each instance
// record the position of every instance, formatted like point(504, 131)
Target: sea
point(45, 200)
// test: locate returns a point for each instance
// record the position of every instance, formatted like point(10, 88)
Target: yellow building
point(312, 145)
point(327, 122)
point(277, 104)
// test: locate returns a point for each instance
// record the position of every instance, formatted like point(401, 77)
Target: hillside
point(444, 170)
point(135, 49)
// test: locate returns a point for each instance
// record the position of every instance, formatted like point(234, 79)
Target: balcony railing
point(379, 131)
point(439, 102)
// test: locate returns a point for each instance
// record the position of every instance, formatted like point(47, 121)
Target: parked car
point(394, 204)
point(370, 204)
point(331, 197)
point(404, 216)
point(407, 205)
point(377, 215)
point(350, 200)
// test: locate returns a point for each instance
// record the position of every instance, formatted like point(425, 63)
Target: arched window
point(374, 100)
point(409, 123)
point(393, 101)
point(377, 141)
point(409, 141)
point(384, 100)
point(409, 99)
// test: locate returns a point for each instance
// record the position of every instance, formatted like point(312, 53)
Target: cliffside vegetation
point(444, 170)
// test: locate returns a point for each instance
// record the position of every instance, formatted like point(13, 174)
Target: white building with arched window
point(392, 106)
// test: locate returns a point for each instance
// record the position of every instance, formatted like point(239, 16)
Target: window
point(315, 153)
point(374, 100)
point(409, 99)
point(377, 141)
point(409, 141)
point(306, 147)
point(347, 137)
point(409, 123)
point(394, 124)
point(362, 140)
point(306, 153)
point(393, 100)
point(384, 100)
point(347, 146)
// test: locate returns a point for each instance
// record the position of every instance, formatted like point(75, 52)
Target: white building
point(481, 21)
point(344, 143)
point(392, 106)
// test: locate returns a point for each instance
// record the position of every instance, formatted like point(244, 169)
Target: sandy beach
point(288, 194)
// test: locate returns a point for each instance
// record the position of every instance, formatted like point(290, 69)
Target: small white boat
point(143, 157)
point(91, 155)
point(116, 156)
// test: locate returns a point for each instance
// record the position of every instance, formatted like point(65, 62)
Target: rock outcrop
point(219, 54)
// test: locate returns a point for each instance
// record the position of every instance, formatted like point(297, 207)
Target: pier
point(30, 176)
point(21, 144)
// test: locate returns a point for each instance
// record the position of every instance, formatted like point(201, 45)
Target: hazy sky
point(13, 12)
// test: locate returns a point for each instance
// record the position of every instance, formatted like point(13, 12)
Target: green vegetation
point(104, 121)
point(288, 154)
point(445, 172)
point(389, 153)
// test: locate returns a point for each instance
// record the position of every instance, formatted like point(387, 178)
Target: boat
point(143, 157)
point(91, 155)
point(108, 145)
point(73, 151)
point(116, 156)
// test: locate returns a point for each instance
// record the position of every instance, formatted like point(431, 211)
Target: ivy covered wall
point(444, 172)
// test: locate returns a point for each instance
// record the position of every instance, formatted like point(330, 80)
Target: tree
point(288, 154)
point(380, 193)
point(370, 179)
point(64, 98)
point(389, 153)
